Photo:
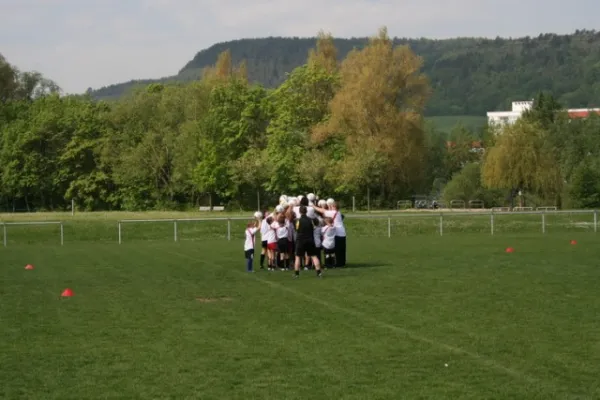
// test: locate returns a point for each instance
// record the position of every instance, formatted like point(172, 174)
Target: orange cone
point(29, 266)
point(67, 293)
point(573, 241)
point(510, 250)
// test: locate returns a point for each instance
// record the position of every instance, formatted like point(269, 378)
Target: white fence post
point(595, 221)
point(119, 232)
point(492, 222)
point(441, 224)
point(175, 230)
point(5, 238)
point(389, 227)
point(228, 229)
point(62, 234)
point(543, 222)
point(353, 204)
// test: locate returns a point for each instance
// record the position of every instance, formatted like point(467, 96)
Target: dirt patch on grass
point(212, 299)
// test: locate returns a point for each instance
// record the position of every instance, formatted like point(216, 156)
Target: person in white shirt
point(251, 230)
point(264, 228)
point(340, 231)
point(271, 243)
point(328, 243)
point(280, 227)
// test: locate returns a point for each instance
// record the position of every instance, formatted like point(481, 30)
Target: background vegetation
point(344, 123)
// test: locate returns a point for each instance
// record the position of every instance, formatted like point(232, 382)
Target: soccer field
point(413, 317)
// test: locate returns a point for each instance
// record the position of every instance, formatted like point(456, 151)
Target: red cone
point(29, 266)
point(573, 241)
point(510, 250)
point(67, 293)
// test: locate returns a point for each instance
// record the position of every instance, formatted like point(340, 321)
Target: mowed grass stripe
point(378, 323)
point(528, 246)
point(132, 347)
point(410, 354)
point(301, 329)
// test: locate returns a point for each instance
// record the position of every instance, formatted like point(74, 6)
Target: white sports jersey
point(264, 227)
point(249, 243)
point(328, 234)
point(281, 231)
point(340, 229)
point(270, 235)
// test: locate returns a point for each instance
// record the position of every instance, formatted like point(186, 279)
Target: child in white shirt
point(264, 227)
point(281, 233)
point(271, 239)
point(328, 243)
point(251, 230)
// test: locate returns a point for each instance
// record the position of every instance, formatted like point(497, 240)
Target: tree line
point(342, 129)
point(470, 76)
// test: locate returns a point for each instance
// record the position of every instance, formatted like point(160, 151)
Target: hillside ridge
point(469, 75)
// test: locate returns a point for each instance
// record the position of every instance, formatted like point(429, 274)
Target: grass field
point(154, 319)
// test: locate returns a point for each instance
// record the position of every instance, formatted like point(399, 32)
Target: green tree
point(8, 81)
point(522, 158)
point(142, 146)
point(299, 104)
point(545, 110)
point(584, 188)
point(436, 175)
point(80, 175)
point(377, 113)
point(459, 150)
point(466, 185)
point(234, 120)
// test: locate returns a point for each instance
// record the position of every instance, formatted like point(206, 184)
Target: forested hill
point(470, 76)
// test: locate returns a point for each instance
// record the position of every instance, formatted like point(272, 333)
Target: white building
point(509, 117)
point(519, 107)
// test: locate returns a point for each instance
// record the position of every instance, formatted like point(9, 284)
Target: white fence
point(439, 217)
point(491, 214)
point(174, 222)
point(392, 216)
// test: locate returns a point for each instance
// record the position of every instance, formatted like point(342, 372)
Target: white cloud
point(87, 43)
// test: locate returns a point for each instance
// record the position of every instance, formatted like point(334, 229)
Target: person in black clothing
point(305, 242)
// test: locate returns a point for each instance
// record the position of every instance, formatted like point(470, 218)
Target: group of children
point(301, 230)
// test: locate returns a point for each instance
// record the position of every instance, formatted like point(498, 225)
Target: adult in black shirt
point(305, 242)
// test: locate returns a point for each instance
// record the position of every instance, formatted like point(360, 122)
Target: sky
point(94, 43)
